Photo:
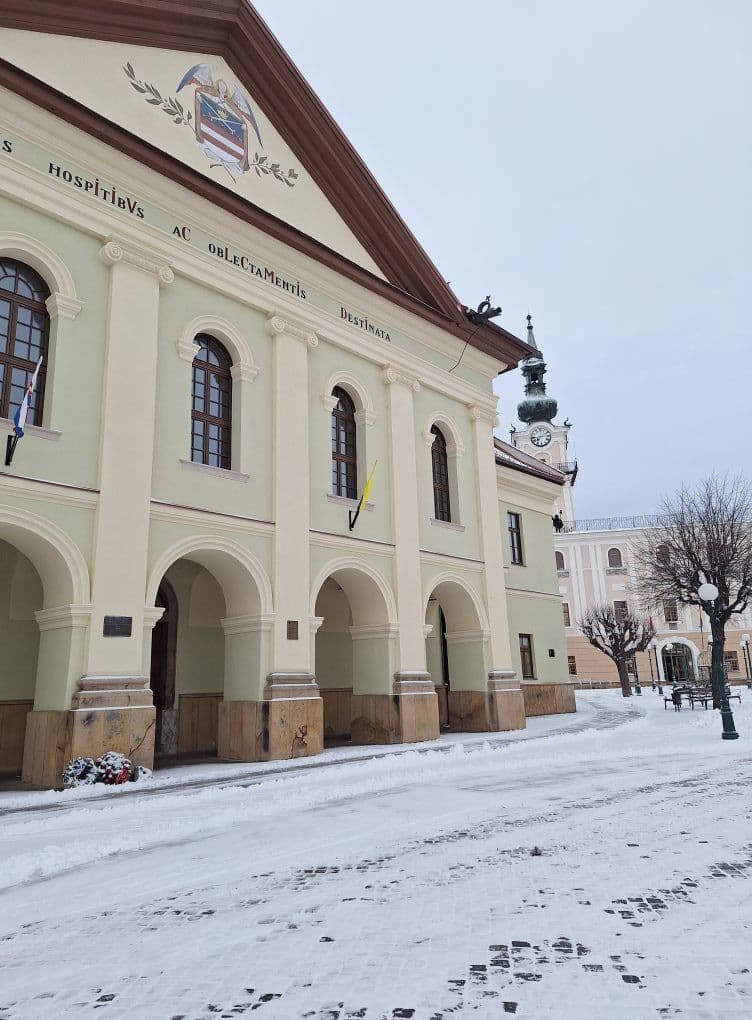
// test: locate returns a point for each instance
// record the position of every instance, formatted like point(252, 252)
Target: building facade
point(235, 327)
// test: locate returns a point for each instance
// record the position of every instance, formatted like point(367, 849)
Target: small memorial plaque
point(292, 630)
point(117, 626)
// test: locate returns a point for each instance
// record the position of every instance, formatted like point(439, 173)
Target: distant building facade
point(595, 563)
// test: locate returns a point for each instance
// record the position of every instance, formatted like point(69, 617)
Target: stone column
point(409, 712)
point(115, 664)
point(291, 715)
point(505, 705)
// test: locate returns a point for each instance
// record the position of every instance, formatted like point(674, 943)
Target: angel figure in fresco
point(222, 119)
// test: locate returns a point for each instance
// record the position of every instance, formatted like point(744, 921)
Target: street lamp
point(747, 660)
point(654, 646)
point(637, 688)
point(708, 593)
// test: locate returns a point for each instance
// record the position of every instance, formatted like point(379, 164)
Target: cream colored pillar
point(289, 718)
point(504, 700)
point(115, 677)
point(408, 712)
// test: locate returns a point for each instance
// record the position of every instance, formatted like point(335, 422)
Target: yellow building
point(236, 326)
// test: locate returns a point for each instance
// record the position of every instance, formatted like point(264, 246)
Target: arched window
point(441, 507)
point(24, 329)
point(211, 415)
point(614, 558)
point(559, 560)
point(344, 447)
point(662, 554)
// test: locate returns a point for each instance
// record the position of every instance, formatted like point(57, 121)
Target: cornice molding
point(280, 325)
point(481, 413)
point(367, 632)
point(392, 376)
point(61, 617)
point(61, 307)
point(152, 616)
point(248, 624)
point(115, 251)
point(241, 37)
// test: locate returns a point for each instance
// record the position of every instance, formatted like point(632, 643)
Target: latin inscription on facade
point(98, 190)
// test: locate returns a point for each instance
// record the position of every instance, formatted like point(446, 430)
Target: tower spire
point(537, 405)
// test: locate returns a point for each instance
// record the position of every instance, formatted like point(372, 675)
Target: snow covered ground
point(400, 885)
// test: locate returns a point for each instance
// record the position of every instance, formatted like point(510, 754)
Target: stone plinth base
point(409, 715)
point(288, 723)
point(549, 699)
point(468, 711)
point(108, 714)
point(506, 702)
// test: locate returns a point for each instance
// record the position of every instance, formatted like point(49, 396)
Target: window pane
point(4, 325)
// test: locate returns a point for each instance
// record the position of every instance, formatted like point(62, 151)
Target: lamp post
point(747, 660)
point(637, 688)
point(654, 646)
point(708, 593)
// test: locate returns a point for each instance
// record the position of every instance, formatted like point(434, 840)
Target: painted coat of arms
point(222, 121)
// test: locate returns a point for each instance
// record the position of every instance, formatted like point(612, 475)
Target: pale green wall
point(200, 657)
point(435, 538)
point(542, 618)
point(538, 572)
point(20, 598)
point(78, 357)
point(179, 304)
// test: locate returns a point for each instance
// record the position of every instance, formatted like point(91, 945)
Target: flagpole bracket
point(10, 448)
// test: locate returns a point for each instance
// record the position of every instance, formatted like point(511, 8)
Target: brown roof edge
point(489, 339)
point(509, 456)
point(235, 30)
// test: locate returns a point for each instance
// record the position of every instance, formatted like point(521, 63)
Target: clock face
point(540, 436)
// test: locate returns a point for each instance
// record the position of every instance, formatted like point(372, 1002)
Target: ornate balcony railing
point(569, 467)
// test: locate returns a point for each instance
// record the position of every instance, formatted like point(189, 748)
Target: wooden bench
point(701, 694)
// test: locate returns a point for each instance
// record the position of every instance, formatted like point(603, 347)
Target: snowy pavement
point(403, 885)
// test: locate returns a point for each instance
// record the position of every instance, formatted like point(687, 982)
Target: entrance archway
point(44, 606)
point(678, 664)
point(162, 673)
point(211, 643)
point(353, 653)
point(456, 653)
point(21, 597)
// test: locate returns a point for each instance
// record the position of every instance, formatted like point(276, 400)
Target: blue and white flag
point(19, 418)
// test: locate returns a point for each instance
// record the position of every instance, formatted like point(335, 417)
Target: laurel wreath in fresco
point(179, 115)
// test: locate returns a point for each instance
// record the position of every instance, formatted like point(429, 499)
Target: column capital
point(60, 306)
point(61, 617)
point(392, 376)
point(278, 325)
point(115, 251)
point(483, 412)
point(248, 624)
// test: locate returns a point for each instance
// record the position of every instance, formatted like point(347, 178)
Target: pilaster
point(126, 451)
point(290, 652)
point(411, 647)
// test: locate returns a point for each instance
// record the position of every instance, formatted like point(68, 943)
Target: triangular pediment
point(191, 106)
point(201, 90)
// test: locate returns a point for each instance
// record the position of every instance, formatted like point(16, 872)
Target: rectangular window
point(620, 611)
point(631, 664)
point(526, 656)
point(731, 660)
point(572, 664)
point(514, 527)
point(670, 611)
point(565, 611)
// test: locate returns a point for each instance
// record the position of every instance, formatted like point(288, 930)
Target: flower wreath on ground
point(112, 769)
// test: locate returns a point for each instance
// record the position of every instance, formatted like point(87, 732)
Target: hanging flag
point(19, 418)
point(365, 496)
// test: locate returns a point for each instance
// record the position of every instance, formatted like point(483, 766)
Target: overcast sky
point(589, 162)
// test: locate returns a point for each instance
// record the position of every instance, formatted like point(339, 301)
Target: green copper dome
point(537, 405)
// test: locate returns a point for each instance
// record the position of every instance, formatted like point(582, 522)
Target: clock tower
point(540, 437)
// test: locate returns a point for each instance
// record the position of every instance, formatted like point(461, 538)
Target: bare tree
point(705, 535)
point(618, 634)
